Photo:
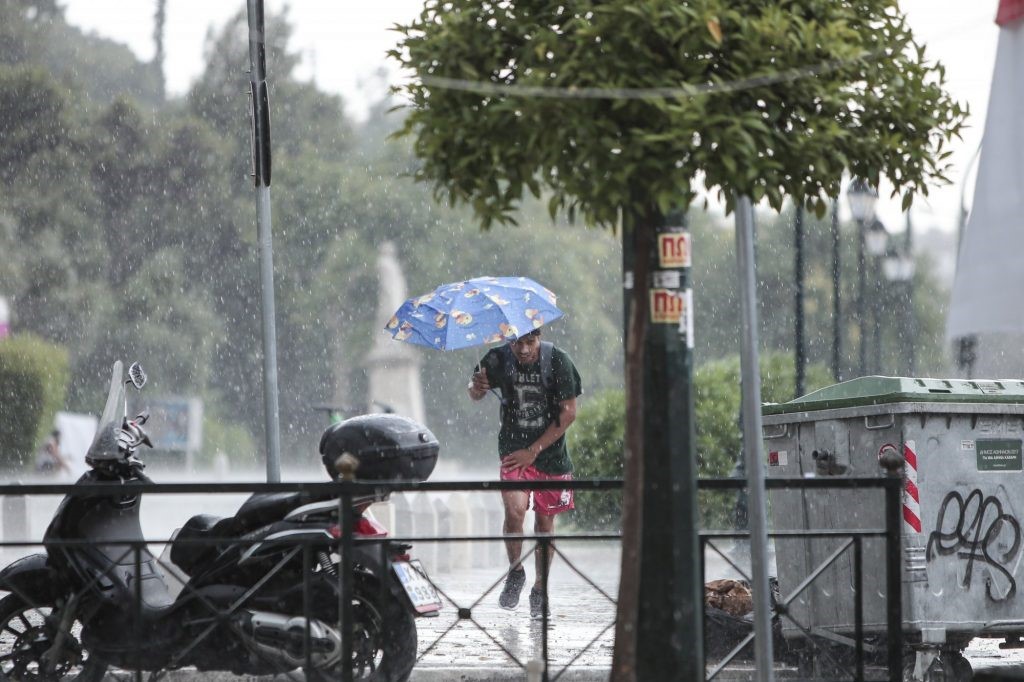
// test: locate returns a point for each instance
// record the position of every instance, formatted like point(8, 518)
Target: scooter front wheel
point(27, 637)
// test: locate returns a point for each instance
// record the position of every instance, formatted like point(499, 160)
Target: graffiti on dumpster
point(975, 526)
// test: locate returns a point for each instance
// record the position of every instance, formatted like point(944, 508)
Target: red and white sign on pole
point(5, 318)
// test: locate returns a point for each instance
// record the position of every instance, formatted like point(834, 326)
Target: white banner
point(989, 278)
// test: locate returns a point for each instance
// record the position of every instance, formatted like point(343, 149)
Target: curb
point(446, 674)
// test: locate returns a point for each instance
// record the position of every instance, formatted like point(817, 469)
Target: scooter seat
point(187, 555)
point(259, 510)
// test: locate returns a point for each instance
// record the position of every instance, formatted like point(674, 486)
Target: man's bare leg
point(515, 502)
point(543, 523)
point(515, 511)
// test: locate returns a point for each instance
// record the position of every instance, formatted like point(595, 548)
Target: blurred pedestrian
point(539, 385)
point(49, 458)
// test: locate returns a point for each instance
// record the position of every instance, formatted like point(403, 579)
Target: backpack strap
point(508, 374)
point(546, 348)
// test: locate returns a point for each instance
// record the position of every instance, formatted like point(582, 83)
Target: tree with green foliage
point(617, 109)
point(33, 382)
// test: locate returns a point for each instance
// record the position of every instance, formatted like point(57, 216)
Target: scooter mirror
point(137, 375)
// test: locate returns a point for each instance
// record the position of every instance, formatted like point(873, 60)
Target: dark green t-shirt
point(531, 409)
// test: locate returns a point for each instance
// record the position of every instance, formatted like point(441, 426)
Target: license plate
point(414, 581)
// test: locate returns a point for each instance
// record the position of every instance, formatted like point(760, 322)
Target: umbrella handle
point(491, 390)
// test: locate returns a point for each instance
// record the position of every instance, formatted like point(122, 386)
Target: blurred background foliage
point(597, 437)
point(33, 381)
point(128, 228)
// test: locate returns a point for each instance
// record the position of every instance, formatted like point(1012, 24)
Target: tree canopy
point(613, 104)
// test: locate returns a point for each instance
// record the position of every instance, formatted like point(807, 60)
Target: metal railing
point(303, 550)
point(343, 546)
point(821, 640)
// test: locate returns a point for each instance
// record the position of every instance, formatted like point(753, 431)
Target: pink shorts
point(547, 502)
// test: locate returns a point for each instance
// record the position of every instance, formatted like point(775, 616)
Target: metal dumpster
point(962, 505)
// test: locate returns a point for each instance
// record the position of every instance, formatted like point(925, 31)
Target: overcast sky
point(343, 43)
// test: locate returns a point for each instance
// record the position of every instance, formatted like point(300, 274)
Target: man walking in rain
point(538, 386)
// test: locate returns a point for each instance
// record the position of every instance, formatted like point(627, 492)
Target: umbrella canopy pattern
point(473, 312)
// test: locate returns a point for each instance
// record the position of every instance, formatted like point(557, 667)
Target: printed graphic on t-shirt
point(530, 409)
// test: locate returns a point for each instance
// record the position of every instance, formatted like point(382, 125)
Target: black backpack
point(509, 377)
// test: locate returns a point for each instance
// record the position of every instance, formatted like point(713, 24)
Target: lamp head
point(862, 198)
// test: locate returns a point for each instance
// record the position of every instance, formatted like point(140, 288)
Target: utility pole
point(261, 179)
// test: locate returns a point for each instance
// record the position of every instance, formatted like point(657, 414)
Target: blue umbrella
point(473, 312)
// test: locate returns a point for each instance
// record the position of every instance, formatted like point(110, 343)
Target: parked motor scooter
point(227, 594)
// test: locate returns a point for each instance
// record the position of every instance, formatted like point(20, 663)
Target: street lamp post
point(837, 336)
point(898, 268)
point(875, 241)
point(862, 198)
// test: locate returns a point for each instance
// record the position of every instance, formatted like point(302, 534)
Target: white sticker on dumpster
point(967, 445)
point(778, 458)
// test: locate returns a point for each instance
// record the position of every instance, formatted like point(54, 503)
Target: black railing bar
point(498, 644)
point(799, 483)
point(702, 580)
point(346, 517)
point(307, 598)
point(447, 596)
point(490, 538)
point(472, 620)
point(581, 574)
point(452, 600)
point(824, 566)
point(470, 609)
point(836, 533)
point(858, 608)
point(512, 567)
point(188, 589)
point(223, 616)
point(543, 546)
point(208, 541)
point(588, 537)
point(137, 594)
point(809, 636)
point(93, 580)
point(583, 651)
point(894, 578)
point(731, 655)
point(849, 642)
point(322, 488)
point(729, 561)
point(364, 487)
point(438, 640)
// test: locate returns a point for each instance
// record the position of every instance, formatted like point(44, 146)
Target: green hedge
point(596, 438)
point(596, 442)
point(33, 384)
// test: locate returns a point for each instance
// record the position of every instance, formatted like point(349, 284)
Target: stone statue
point(393, 368)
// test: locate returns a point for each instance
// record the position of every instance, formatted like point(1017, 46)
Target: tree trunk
point(636, 259)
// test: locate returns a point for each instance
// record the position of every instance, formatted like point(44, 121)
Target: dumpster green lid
point(865, 391)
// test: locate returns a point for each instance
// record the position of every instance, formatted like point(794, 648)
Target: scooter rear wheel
point(27, 632)
point(384, 640)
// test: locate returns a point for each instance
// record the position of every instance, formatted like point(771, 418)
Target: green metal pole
point(669, 639)
point(799, 345)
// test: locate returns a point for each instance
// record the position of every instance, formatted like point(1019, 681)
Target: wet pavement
point(580, 633)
